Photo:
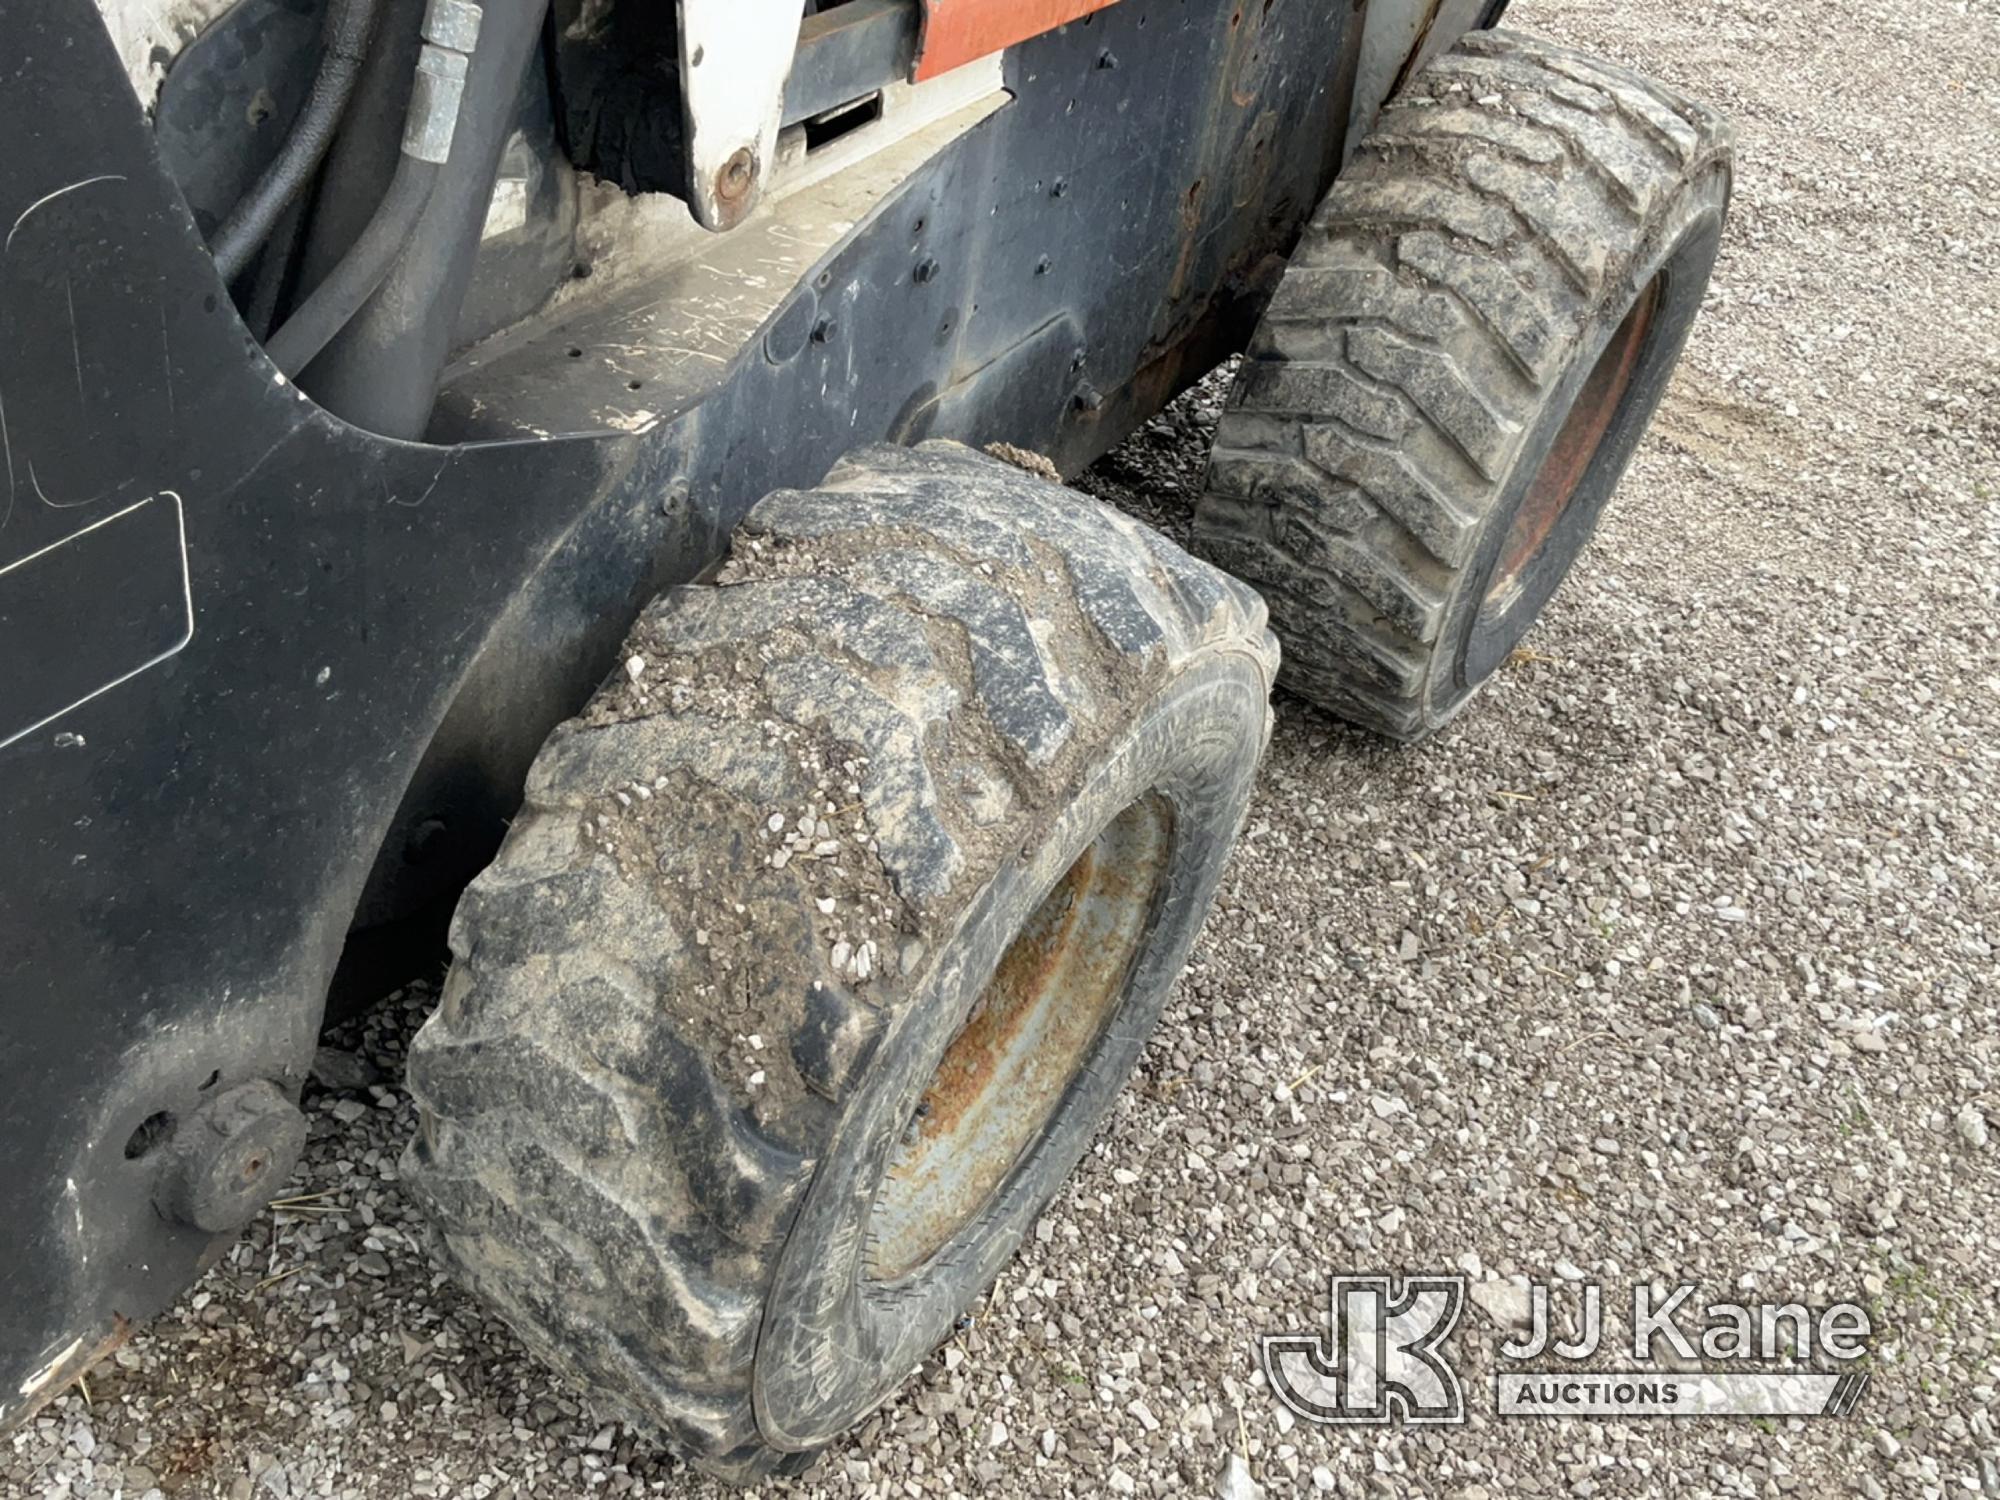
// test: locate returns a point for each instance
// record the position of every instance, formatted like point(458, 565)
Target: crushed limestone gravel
point(1672, 959)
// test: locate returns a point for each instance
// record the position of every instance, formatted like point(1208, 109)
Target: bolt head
point(737, 177)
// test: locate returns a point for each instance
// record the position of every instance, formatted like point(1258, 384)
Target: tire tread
point(594, 1156)
point(1428, 312)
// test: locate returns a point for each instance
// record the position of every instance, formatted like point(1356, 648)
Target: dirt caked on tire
point(825, 938)
point(1451, 379)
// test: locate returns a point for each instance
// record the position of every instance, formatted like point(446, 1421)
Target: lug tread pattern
point(959, 638)
point(1429, 311)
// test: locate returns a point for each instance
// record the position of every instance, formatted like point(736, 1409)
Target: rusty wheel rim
point(1583, 431)
point(1003, 1078)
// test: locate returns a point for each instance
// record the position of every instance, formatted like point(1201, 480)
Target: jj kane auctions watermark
point(1384, 1356)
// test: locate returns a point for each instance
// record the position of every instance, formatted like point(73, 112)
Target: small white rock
point(1507, 1303)
point(1236, 1483)
point(1971, 1125)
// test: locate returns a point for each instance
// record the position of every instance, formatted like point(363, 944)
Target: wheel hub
point(1583, 431)
point(1005, 1073)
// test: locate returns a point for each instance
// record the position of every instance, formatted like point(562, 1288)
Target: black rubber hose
point(349, 26)
point(370, 142)
point(273, 272)
point(381, 373)
point(350, 284)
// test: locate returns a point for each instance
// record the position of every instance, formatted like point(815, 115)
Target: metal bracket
point(735, 58)
point(1398, 38)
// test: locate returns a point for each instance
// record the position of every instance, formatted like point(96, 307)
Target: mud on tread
point(1427, 316)
point(905, 668)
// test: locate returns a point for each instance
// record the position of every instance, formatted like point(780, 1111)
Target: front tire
point(1457, 366)
point(825, 939)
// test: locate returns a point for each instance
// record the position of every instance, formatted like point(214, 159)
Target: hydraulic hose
point(349, 26)
point(381, 372)
point(350, 284)
point(451, 31)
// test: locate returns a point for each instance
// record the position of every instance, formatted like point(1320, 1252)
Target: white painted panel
point(735, 58)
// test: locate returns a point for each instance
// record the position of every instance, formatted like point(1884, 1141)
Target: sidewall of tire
point(833, 1344)
point(1684, 247)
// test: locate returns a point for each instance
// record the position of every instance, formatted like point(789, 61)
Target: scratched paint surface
point(106, 603)
point(60, 371)
point(639, 359)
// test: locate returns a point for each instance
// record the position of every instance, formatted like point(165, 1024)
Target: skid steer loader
point(529, 459)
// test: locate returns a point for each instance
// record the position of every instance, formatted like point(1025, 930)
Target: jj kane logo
point(1383, 1356)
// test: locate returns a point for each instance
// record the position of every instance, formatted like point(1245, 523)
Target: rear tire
point(720, 1111)
point(1462, 356)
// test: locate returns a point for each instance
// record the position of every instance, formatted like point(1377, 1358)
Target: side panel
point(244, 618)
point(957, 32)
point(185, 849)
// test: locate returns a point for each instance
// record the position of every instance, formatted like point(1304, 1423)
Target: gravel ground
point(1672, 960)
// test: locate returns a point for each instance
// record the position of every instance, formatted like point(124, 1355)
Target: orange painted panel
point(960, 31)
